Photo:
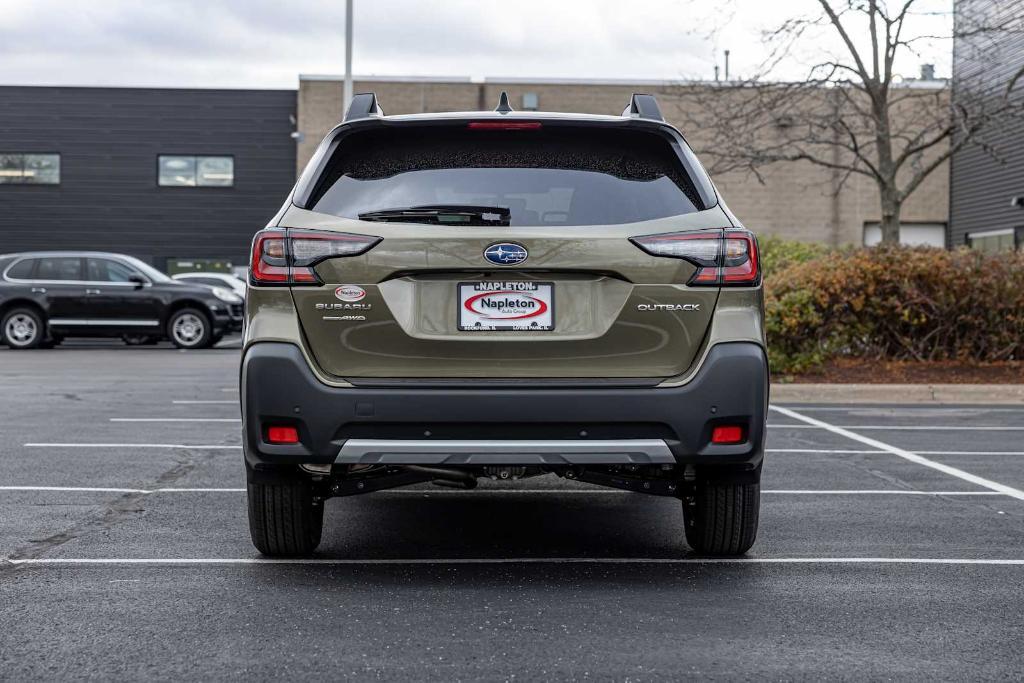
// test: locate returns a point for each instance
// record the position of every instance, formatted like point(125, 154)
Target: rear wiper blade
point(455, 214)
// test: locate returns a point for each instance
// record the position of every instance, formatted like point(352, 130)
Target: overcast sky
point(267, 43)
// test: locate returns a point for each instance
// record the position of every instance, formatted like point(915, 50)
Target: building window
point(911, 234)
point(991, 241)
point(195, 171)
point(192, 265)
point(530, 101)
point(29, 169)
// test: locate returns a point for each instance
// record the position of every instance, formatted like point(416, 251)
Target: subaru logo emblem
point(506, 253)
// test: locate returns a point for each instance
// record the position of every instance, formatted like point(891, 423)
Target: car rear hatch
point(469, 251)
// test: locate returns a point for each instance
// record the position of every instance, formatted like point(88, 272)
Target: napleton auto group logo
point(350, 293)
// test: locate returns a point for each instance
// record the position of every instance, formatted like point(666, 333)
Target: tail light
point(282, 434)
point(723, 257)
point(727, 434)
point(286, 256)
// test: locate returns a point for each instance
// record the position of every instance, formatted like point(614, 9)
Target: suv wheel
point(283, 519)
point(721, 518)
point(189, 329)
point(23, 328)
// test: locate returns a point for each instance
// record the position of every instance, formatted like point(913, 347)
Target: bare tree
point(853, 114)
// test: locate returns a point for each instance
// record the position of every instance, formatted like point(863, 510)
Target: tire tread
point(283, 521)
point(724, 518)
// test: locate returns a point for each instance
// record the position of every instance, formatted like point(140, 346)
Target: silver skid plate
point(511, 452)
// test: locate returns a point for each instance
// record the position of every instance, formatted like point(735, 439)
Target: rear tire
point(283, 521)
point(189, 328)
point(721, 519)
point(23, 328)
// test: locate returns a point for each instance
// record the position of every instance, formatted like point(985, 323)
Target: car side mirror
point(139, 281)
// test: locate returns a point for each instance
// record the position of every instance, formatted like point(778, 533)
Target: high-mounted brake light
point(723, 256)
point(287, 256)
point(505, 125)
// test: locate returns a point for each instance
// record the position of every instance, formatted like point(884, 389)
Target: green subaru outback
point(504, 294)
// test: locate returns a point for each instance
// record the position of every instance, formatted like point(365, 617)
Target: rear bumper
point(494, 424)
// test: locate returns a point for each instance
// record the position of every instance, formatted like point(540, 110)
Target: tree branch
point(834, 18)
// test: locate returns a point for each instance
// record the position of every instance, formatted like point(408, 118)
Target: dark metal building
point(181, 178)
point(987, 186)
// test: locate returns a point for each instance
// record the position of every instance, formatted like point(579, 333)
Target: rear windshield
point(551, 176)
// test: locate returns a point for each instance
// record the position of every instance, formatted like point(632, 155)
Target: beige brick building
point(797, 201)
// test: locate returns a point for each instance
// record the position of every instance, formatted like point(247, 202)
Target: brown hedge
point(896, 303)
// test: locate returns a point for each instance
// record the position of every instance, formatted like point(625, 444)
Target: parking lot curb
point(899, 393)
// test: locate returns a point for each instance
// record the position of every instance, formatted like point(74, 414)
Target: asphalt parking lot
point(891, 546)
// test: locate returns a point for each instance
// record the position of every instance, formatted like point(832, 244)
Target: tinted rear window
point(59, 268)
point(22, 270)
point(552, 176)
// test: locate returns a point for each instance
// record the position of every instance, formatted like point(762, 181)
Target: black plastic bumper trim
point(278, 387)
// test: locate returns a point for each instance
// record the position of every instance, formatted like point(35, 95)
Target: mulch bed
point(859, 371)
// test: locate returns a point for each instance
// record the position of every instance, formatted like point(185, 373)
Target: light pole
point(347, 96)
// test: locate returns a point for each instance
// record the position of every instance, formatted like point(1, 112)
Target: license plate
point(490, 306)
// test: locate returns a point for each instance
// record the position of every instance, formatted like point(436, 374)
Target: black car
point(48, 296)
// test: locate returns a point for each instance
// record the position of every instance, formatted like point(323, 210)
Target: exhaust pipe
point(444, 474)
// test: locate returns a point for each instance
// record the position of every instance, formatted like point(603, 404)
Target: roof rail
point(363, 105)
point(643, 107)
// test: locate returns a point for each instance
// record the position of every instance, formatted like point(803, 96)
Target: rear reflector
point(724, 434)
point(287, 256)
point(723, 257)
point(279, 434)
point(504, 125)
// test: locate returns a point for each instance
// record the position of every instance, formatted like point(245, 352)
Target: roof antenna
point(503, 106)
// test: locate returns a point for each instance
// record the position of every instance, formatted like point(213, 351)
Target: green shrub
point(896, 303)
point(777, 254)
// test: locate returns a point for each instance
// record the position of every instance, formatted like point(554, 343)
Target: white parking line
point(873, 492)
point(920, 453)
point(901, 409)
point(773, 426)
point(856, 452)
point(197, 490)
point(818, 450)
point(922, 428)
point(969, 452)
point(76, 489)
point(906, 455)
point(175, 419)
point(188, 402)
point(509, 560)
point(184, 446)
point(486, 491)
